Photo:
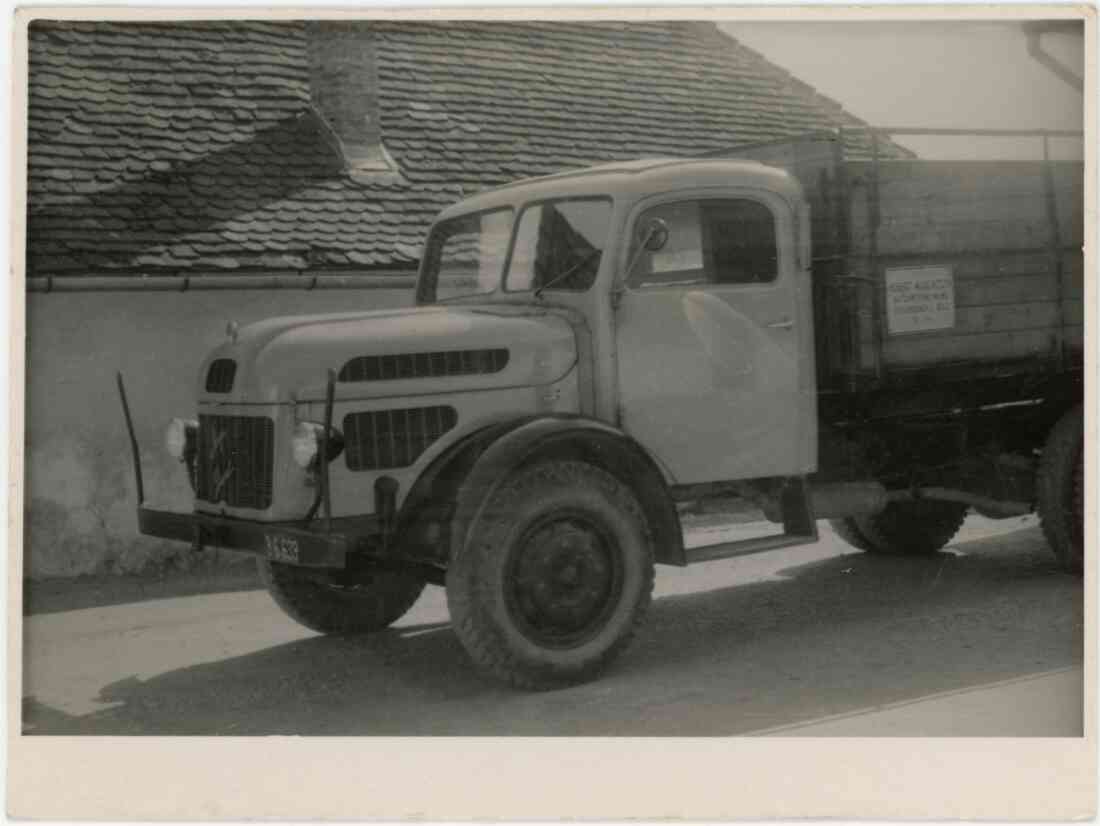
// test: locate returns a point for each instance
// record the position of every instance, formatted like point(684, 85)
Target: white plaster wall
point(79, 487)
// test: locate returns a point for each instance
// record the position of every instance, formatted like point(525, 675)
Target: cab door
point(714, 338)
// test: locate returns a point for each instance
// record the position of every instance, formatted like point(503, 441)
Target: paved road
point(984, 639)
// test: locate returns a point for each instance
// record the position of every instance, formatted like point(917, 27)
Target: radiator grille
point(219, 378)
point(234, 463)
point(382, 439)
point(425, 365)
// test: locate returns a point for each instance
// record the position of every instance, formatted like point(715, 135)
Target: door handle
point(782, 324)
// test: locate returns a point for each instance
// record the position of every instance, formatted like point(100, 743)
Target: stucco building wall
point(79, 503)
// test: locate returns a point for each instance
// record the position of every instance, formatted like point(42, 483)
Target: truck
point(875, 340)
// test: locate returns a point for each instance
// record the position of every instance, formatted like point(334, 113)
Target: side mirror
point(656, 234)
point(653, 235)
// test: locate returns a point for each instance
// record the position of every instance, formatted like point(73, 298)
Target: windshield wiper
point(564, 275)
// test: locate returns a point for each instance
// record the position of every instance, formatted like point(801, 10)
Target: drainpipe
point(1035, 31)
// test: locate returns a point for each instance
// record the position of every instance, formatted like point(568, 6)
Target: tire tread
point(1060, 490)
point(847, 529)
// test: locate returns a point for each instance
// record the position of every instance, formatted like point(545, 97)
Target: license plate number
point(281, 548)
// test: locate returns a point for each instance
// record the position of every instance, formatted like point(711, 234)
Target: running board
point(744, 547)
point(799, 528)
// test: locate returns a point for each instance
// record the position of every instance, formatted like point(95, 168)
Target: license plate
point(281, 548)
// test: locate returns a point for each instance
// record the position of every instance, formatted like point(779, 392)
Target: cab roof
point(633, 180)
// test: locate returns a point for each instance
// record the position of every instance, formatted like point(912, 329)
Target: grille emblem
point(219, 483)
point(221, 465)
point(236, 460)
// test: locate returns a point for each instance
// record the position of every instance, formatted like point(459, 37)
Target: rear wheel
point(1061, 490)
point(918, 528)
point(555, 577)
point(847, 530)
point(327, 602)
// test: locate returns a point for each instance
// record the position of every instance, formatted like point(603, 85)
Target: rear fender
point(562, 437)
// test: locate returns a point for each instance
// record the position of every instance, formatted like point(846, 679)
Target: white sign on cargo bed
point(919, 299)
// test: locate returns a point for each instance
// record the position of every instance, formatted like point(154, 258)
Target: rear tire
point(1061, 490)
point(554, 578)
point(320, 601)
point(919, 528)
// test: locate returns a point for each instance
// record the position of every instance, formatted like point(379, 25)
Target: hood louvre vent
point(425, 365)
point(219, 378)
point(384, 439)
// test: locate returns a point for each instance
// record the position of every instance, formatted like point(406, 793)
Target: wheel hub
point(564, 580)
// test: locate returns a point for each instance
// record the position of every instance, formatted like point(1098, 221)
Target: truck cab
point(688, 292)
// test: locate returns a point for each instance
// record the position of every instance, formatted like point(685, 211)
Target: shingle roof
point(194, 146)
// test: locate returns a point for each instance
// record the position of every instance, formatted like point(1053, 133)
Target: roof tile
point(190, 146)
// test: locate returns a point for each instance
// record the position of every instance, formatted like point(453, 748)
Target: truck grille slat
point(384, 439)
point(235, 460)
point(425, 365)
point(372, 445)
point(393, 460)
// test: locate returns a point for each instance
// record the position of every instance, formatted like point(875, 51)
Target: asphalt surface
point(985, 639)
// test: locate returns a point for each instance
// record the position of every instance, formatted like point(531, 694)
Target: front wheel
point(555, 576)
point(330, 604)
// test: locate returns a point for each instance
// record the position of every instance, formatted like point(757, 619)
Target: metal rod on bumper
point(326, 498)
point(133, 440)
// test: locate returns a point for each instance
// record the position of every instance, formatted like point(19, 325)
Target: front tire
point(321, 601)
point(554, 578)
point(1061, 490)
point(919, 528)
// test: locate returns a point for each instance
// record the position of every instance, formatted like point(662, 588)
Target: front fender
point(568, 437)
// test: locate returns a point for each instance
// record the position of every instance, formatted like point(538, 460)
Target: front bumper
point(294, 543)
point(278, 541)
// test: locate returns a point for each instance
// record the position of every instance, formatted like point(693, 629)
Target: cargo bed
point(939, 273)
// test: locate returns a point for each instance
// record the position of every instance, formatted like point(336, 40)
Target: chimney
point(343, 82)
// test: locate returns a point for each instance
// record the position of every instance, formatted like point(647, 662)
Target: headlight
point(179, 438)
point(306, 442)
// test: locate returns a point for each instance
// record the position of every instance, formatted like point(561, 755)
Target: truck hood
point(286, 359)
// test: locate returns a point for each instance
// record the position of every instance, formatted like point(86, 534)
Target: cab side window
point(719, 241)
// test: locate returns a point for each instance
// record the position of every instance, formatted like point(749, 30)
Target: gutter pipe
point(202, 281)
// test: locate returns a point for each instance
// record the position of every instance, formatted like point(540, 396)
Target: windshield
point(465, 255)
point(558, 246)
